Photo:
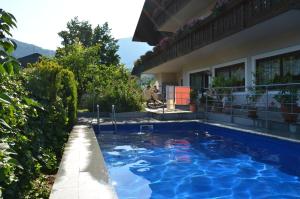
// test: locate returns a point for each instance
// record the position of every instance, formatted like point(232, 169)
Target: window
point(274, 69)
point(235, 74)
point(199, 80)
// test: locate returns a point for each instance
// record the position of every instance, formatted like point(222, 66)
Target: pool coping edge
point(82, 172)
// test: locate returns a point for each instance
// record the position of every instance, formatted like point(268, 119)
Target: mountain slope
point(130, 51)
point(24, 49)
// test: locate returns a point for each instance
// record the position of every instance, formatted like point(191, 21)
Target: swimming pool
point(195, 161)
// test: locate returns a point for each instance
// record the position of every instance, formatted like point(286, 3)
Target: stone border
point(82, 173)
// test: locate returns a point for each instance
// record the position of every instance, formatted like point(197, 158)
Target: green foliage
point(32, 138)
point(67, 91)
point(39, 188)
point(79, 60)
point(114, 85)
point(82, 31)
point(194, 95)
point(17, 154)
point(16, 162)
point(99, 83)
point(8, 64)
point(91, 55)
point(108, 45)
point(254, 93)
point(33, 131)
point(147, 80)
point(288, 95)
point(221, 81)
point(55, 87)
point(221, 86)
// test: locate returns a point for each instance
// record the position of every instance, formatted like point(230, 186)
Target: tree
point(8, 64)
point(79, 59)
point(91, 54)
point(113, 85)
point(82, 31)
point(108, 45)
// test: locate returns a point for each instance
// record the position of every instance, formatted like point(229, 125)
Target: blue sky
point(39, 21)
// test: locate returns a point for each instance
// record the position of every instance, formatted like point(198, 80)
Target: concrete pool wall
point(82, 173)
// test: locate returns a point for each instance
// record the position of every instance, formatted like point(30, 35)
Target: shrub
point(55, 88)
point(114, 85)
point(17, 151)
point(32, 131)
point(51, 84)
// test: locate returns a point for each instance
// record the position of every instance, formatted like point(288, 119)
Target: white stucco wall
point(250, 65)
point(168, 78)
point(277, 36)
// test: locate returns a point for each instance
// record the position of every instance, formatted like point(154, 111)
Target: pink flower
point(165, 42)
point(221, 3)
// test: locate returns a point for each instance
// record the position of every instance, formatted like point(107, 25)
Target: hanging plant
point(156, 49)
point(220, 4)
point(138, 62)
point(165, 43)
point(148, 54)
point(187, 27)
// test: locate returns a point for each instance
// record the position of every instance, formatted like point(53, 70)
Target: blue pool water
point(197, 164)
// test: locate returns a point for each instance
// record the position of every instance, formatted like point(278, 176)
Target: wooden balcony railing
point(234, 17)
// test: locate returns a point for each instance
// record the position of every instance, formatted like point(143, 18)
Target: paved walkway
point(82, 173)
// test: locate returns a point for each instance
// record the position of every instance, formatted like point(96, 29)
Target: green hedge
point(37, 111)
point(32, 131)
point(55, 88)
point(18, 165)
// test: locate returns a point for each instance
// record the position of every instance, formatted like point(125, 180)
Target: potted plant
point(219, 6)
point(252, 110)
point(193, 100)
point(252, 96)
point(206, 101)
point(223, 92)
point(288, 97)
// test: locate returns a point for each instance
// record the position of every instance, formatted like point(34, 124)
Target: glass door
point(199, 80)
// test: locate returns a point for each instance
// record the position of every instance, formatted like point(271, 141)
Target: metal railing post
point(206, 108)
point(94, 101)
point(231, 100)
point(113, 119)
point(164, 101)
point(292, 103)
point(98, 117)
point(264, 98)
point(112, 113)
point(267, 107)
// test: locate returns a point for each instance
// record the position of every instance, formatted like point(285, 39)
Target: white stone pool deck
point(82, 173)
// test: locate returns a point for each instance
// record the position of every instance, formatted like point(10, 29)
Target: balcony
point(234, 17)
point(168, 9)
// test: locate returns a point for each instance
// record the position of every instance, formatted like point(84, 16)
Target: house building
point(29, 59)
point(247, 41)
